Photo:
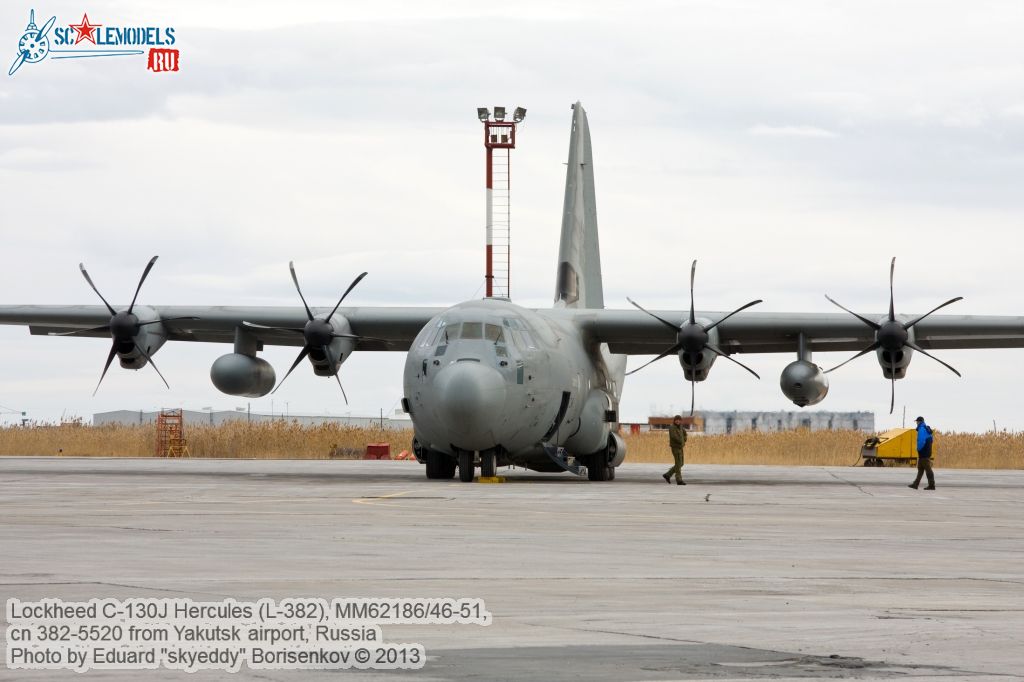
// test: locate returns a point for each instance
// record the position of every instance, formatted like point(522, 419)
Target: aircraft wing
point(395, 327)
point(633, 332)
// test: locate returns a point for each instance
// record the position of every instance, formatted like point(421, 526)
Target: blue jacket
point(924, 440)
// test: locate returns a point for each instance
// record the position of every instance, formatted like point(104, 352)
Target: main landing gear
point(467, 464)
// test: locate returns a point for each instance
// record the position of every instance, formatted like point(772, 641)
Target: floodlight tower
point(499, 140)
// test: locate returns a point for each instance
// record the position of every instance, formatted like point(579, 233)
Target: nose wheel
point(440, 466)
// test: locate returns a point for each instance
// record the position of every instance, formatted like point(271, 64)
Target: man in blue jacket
point(924, 455)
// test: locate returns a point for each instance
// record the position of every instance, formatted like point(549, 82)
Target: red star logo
point(85, 30)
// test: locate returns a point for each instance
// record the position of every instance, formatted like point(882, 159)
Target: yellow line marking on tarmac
point(376, 500)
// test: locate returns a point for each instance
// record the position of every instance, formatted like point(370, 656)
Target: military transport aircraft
point(489, 383)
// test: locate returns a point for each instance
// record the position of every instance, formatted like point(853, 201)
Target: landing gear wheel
point(611, 473)
point(440, 465)
point(598, 469)
point(465, 466)
point(488, 465)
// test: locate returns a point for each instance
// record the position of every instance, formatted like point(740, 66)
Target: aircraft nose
point(471, 400)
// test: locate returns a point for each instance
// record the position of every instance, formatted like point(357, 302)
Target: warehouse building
point(737, 422)
point(217, 417)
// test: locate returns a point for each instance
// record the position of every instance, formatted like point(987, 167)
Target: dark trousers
point(924, 467)
point(677, 468)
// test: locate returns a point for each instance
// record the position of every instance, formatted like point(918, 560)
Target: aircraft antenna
point(499, 141)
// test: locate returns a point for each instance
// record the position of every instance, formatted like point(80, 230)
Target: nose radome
point(471, 400)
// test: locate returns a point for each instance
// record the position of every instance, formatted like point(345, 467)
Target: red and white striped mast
point(499, 135)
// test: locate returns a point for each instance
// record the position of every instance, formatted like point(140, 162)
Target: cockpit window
point(472, 330)
point(430, 338)
point(492, 332)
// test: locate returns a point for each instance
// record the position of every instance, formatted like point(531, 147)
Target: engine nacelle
point(898, 358)
point(804, 383)
point(697, 365)
point(242, 375)
point(149, 338)
point(338, 350)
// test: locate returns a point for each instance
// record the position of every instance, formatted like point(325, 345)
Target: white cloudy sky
point(792, 148)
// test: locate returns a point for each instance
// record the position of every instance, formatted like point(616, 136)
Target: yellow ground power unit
point(895, 446)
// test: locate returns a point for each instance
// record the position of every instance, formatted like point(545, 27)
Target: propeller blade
point(892, 304)
point(892, 397)
point(168, 319)
point(105, 327)
point(357, 337)
point(341, 387)
point(89, 280)
point(309, 313)
point(670, 351)
point(110, 359)
point(721, 353)
point(922, 351)
point(693, 275)
point(693, 394)
point(253, 325)
point(46, 28)
point(867, 350)
point(145, 274)
point(663, 321)
point(302, 356)
point(153, 365)
point(352, 286)
point(741, 308)
point(873, 325)
point(328, 355)
point(910, 324)
point(18, 62)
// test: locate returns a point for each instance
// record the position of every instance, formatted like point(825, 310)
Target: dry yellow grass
point(259, 440)
point(290, 440)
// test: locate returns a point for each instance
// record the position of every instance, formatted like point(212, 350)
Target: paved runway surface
point(746, 573)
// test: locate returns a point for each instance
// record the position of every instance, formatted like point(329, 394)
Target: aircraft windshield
point(472, 330)
point(492, 332)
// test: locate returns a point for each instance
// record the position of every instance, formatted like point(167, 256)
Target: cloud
point(789, 131)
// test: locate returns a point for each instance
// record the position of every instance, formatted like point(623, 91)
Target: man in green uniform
point(676, 441)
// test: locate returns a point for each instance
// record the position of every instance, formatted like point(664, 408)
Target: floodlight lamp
point(519, 115)
point(482, 113)
point(499, 113)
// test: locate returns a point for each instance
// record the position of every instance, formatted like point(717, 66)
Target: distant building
point(737, 422)
point(217, 417)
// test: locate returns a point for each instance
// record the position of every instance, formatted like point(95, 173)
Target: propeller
point(20, 59)
point(317, 332)
point(692, 337)
point(892, 336)
point(124, 326)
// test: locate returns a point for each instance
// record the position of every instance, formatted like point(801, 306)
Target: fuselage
point(492, 376)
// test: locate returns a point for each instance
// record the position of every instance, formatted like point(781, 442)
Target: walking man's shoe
point(931, 487)
point(668, 479)
point(680, 482)
point(913, 485)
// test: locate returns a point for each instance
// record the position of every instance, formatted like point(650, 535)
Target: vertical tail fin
point(579, 253)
